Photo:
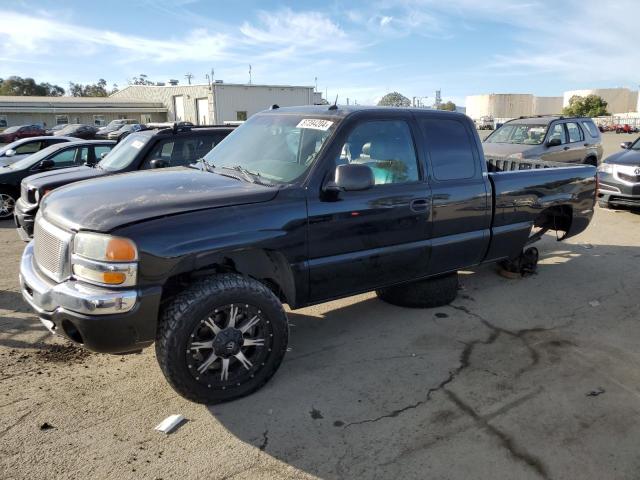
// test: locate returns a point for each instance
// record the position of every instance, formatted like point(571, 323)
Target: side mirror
point(158, 163)
point(10, 153)
point(624, 145)
point(351, 177)
point(554, 142)
point(47, 164)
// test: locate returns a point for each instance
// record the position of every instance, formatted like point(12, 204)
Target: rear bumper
point(24, 216)
point(103, 320)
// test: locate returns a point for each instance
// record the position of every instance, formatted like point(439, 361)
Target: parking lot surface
point(529, 378)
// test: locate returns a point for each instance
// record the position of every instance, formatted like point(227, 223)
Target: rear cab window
point(451, 149)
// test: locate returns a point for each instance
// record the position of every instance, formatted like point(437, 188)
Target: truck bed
point(547, 195)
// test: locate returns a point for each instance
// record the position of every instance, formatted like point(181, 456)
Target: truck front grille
point(629, 178)
point(51, 249)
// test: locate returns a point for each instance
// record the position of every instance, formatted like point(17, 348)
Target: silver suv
point(550, 138)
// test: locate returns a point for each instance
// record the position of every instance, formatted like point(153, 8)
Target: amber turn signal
point(120, 250)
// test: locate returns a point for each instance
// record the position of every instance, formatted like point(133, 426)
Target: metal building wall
point(547, 105)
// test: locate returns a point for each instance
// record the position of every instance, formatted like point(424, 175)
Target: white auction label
point(137, 144)
point(315, 124)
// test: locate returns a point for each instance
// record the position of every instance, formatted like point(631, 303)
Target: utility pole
point(189, 76)
point(316, 85)
point(249, 74)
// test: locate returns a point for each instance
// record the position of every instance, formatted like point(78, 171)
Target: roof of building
point(76, 104)
point(215, 84)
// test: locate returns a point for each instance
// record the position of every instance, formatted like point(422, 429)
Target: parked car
point(619, 177)
point(124, 131)
point(298, 205)
point(77, 130)
point(113, 126)
point(550, 138)
point(484, 123)
point(61, 155)
point(12, 134)
point(139, 151)
point(55, 128)
point(625, 128)
point(19, 149)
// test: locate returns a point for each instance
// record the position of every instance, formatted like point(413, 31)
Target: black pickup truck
point(298, 206)
point(139, 151)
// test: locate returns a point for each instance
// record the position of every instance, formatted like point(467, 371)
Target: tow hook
point(525, 264)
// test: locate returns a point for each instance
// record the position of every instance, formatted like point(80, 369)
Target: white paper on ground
point(170, 423)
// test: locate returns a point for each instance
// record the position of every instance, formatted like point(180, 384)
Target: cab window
point(557, 131)
point(575, 132)
point(386, 147)
point(27, 148)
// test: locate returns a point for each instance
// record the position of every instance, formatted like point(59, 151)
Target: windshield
point(31, 160)
point(11, 129)
point(124, 153)
point(280, 148)
point(520, 134)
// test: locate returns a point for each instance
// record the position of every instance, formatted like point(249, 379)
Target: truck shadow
point(362, 383)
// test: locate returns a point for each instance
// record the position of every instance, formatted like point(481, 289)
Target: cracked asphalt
point(530, 378)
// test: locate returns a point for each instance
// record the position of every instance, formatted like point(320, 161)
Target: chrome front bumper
point(45, 296)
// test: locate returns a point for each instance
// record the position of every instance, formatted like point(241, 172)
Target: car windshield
point(11, 129)
point(520, 134)
point(278, 148)
point(123, 153)
point(635, 145)
point(31, 160)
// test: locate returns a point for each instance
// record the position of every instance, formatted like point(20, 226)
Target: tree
point(19, 86)
point(449, 106)
point(96, 90)
point(394, 99)
point(141, 79)
point(589, 106)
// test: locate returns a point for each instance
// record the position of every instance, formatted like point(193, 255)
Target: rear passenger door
point(577, 146)
point(460, 220)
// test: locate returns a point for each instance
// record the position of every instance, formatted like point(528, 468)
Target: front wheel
point(222, 338)
point(7, 204)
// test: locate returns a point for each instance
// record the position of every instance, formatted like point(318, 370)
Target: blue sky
point(359, 49)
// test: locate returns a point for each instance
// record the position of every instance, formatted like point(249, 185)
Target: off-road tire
point(430, 293)
point(188, 308)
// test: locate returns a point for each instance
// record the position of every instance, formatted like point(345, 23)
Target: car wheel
point(591, 161)
point(222, 338)
point(430, 293)
point(7, 204)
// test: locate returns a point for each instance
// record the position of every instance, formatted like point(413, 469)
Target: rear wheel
point(430, 293)
point(7, 204)
point(591, 161)
point(222, 338)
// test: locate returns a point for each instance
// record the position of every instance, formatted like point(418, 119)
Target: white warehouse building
point(619, 100)
point(216, 103)
point(511, 105)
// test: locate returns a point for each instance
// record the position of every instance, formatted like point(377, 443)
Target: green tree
point(96, 90)
point(394, 99)
point(19, 86)
point(141, 79)
point(589, 106)
point(449, 106)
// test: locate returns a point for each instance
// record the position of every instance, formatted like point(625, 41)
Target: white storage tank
point(547, 105)
point(499, 105)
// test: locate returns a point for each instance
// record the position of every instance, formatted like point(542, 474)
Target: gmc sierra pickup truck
point(299, 205)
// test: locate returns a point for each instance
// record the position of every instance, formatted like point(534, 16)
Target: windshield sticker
point(137, 144)
point(315, 124)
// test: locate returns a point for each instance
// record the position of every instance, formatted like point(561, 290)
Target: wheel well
point(177, 283)
point(557, 218)
point(11, 189)
point(591, 160)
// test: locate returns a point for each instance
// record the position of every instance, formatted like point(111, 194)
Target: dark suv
point(550, 138)
point(169, 147)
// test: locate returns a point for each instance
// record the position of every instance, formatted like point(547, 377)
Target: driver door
point(360, 240)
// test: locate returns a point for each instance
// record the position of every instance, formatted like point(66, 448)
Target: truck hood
point(63, 176)
point(106, 203)
point(503, 150)
point(625, 157)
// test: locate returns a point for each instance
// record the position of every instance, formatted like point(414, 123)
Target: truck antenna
point(335, 104)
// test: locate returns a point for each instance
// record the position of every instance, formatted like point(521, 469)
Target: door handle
point(419, 205)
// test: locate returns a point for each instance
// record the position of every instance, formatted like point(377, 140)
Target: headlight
point(104, 259)
point(606, 168)
point(516, 156)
